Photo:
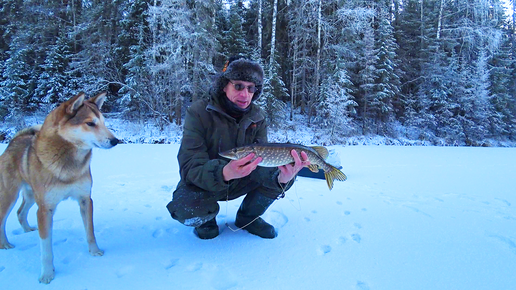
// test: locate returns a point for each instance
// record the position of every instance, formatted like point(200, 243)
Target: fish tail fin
point(332, 174)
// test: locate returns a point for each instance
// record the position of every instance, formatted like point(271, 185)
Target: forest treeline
point(416, 69)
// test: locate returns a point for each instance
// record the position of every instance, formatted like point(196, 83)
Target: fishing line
point(298, 200)
point(226, 217)
point(243, 227)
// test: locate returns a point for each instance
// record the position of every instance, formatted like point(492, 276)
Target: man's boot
point(248, 216)
point(208, 230)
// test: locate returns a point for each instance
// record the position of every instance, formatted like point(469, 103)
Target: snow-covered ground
point(406, 218)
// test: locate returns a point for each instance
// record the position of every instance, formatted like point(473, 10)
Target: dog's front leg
point(45, 216)
point(86, 205)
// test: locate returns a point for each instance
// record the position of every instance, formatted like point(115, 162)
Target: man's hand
point(240, 168)
point(289, 171)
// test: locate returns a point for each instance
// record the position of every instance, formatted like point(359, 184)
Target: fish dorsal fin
point(321, 151)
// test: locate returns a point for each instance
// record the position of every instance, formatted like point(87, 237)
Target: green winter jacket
point(208, 130)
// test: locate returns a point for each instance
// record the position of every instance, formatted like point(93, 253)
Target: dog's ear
point(74, 103)
point(99, 99)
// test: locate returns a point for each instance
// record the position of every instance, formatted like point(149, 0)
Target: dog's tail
point(28, 131)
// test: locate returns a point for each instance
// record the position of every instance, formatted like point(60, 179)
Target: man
point(229, 119)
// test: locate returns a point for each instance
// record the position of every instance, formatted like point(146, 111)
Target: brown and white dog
point(50, 163)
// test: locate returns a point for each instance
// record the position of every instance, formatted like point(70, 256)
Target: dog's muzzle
point(114, 141)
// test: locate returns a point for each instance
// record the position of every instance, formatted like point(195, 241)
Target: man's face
point(239, 93)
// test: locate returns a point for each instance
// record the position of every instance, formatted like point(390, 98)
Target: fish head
point(237, 153)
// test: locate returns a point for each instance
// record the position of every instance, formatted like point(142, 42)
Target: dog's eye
point(91, 124)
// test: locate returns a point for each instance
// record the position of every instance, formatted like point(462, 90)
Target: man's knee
point(272, 194)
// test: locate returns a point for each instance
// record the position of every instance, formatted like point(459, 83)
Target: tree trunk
point(318, 64)
point(179, 105)
point(440, 20)
point(294, 79)
point(313, 99)
point(260, 27)
point(273, 36)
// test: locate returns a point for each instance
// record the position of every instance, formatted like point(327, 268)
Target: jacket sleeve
point(195, 165)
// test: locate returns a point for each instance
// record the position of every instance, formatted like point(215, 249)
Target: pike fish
point(278, 154)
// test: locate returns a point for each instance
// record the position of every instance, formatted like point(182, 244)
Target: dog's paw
point(46, 278)
point(29, 229)
point(6, 246)
point(97, 252)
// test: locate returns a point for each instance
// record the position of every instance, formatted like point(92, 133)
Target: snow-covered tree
point(338, 107)
point(387, 80)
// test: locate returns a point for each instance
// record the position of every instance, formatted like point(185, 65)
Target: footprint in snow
point(508, 217)
point(341, 240)
point(59, 242)
point(124, 271)
point(357, 225)
point(18, 232)
point(171, 264)
point(356, 238)
point(507, 241)
point(278, 218)
point(66, 260)
point(504, 201)
point(307, 219)
point(26, 247)
point(362, 286)
point(194, 267)
point(347, 212)
point(339, 202)
point(417, 210)
point(223, 279)
point(323, 250)
point(157, 233)
point(173, 230)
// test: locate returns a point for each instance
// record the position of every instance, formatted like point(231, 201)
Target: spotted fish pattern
point(278, 154)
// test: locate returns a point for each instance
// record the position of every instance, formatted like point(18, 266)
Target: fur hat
point(238, 69)
point(244, 70)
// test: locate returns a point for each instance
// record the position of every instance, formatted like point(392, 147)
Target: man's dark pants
point(193, 206)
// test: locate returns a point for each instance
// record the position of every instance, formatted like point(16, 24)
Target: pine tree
point(16, 86)
point(338, 106)
point(52, 83)
point(502, 122)
point(302, 38)
point(367, 77)
point(387, 80)
point(407, 34)
point(234, 42)
point(273, 87)
point(180, 56)
point(131, 44)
